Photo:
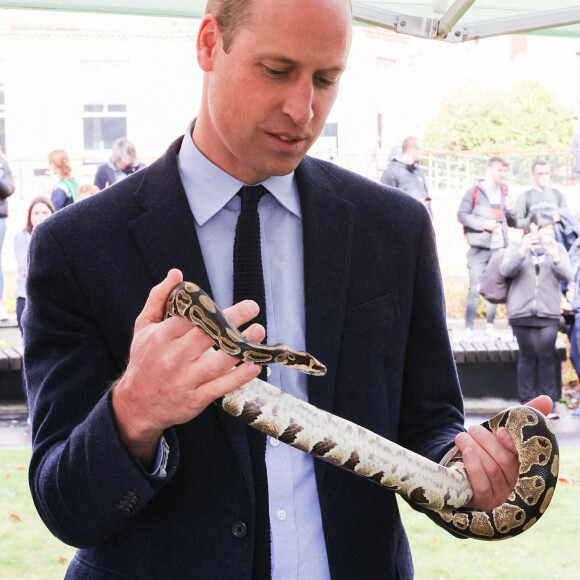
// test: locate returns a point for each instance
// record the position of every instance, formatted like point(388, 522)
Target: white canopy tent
point(445, 20)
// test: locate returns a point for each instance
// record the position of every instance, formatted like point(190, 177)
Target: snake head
point(301, 361)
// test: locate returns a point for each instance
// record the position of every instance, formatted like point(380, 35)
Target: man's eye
point(326, 82)
point(274, 72)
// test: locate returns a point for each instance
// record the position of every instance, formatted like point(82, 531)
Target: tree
point(477, 118)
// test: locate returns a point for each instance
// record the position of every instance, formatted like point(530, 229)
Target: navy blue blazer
point(374, 315)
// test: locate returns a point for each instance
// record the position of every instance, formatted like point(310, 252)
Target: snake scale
point(443, 488)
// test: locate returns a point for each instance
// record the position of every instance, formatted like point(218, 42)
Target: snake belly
point(444, 489)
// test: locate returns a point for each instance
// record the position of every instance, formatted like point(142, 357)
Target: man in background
point(485, 211)
point(404, 172)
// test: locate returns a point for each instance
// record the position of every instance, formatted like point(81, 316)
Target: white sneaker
point(490, 331)
point(3, 312)
point(467, 334)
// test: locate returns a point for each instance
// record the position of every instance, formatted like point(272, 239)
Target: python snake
point(443, 488)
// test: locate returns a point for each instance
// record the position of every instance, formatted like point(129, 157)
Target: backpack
point(492, 285)
point(475, 193)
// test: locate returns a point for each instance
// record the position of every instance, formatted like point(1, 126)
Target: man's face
point(496, 173)
point(267, 99)
point(417, 152)
point(541, 175)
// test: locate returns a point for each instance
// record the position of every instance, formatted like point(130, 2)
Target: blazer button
point(239, 529)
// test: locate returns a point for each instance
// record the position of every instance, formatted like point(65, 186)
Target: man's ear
point(209, 39)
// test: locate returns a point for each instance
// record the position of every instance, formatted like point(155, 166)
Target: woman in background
point(65, 191)
point(536, 266)
point(123, 162)
point(40, 208)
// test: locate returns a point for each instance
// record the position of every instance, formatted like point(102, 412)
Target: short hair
point(230, 15)
point(59, 158)
point(541, 219)
point(538, 162)
point(497, 159)
point(123, 150)
point(39, 199)
point(409, 143)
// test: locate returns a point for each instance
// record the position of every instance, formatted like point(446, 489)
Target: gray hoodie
point(530, 293)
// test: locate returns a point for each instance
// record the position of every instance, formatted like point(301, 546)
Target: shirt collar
point(209, 188)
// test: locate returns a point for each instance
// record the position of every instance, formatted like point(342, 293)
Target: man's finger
point(543, 403)
point(154, 309)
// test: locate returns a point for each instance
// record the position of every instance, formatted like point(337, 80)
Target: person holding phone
point(536, 266)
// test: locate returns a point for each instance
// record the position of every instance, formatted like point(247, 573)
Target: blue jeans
point(477, 259)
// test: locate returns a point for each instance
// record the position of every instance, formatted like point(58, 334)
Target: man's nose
point(299, 101)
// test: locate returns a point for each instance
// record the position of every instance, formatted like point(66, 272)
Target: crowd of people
point(66, 191)
point(540, 270)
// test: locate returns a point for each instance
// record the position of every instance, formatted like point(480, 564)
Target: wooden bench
point(488, 368)
point(11, 375)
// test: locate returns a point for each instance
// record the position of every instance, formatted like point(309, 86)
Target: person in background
point(39, 209)
point(575, 150)
point(536, 267)
point(542, 197)
point(6, 190)
point(65, 190)
point(485, 211)
point(404, 172)
point(86, 190)
point(123, 162)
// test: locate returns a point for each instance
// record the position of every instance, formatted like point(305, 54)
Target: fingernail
point(503, 433)
point(253, 370)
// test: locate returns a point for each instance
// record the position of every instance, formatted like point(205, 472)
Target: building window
point(103, 124)
point(2, 118)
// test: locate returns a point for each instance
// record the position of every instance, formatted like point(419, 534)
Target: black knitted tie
point(249, 284)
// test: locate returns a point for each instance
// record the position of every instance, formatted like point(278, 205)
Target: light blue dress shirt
point(297, 542)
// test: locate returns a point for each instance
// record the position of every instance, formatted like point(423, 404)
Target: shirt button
point(281, 515)
point(239, 529)
point(274, 442)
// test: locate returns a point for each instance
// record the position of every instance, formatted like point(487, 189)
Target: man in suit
point(131, 463)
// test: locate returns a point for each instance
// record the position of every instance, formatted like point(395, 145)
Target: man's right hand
point(167, 381)
point(491, 225)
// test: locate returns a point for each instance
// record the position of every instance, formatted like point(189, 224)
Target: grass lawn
point(28, 551)
point(548, 550)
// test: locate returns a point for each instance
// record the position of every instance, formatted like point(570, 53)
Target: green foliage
point(478, 118)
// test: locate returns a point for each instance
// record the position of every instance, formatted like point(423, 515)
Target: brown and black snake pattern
point(443, 488)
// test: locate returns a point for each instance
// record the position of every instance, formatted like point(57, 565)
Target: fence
point(451, 171)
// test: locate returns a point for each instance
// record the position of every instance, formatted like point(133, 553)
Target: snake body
point(443, 488)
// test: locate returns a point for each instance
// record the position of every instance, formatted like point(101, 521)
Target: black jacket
point(374, 315)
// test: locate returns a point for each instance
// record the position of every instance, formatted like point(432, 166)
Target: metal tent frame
point(462, 21)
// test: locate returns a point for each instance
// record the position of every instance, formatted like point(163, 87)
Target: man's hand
point(168, 381)
point(491, 461)
point(509, 203)
point(491, 225)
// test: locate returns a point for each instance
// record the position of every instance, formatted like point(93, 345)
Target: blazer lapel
point(328, 221)
point(165, 231)
point(166, 237)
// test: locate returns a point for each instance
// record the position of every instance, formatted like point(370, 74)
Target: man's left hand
point(491, 461)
